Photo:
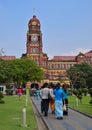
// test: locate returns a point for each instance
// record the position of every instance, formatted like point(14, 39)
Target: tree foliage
point(80, 75)
point(19, 71)
point(90, 92)
point(3, 71)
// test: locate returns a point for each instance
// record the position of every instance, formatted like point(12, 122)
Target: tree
point(4, 71)
point(25, 70)
point(36, 73)
point(20, 71)
point(80, 75)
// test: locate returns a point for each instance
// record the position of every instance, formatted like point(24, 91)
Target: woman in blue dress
point(65, 98)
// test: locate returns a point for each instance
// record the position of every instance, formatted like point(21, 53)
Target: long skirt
point(66, 104)
point(52, 104)
point(58, 109)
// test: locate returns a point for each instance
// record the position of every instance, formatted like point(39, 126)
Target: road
point(74, 121)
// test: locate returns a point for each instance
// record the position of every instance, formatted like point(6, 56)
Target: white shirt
point(44, 93)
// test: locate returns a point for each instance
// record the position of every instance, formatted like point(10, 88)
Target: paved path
point(75, 120)
point(39, 119)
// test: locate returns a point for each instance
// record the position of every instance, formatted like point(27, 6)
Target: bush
point(2, 101)
point(7, 91)
point(90, 102)
point(78, 94)
point(85, 91)
point(90, 92)
point(1, 96)
point(75, 92)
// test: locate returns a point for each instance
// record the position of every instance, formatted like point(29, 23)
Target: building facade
point(55, 68)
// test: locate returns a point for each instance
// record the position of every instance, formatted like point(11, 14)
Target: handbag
point(64, 107)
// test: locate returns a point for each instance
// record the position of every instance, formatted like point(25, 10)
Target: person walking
point(58, 92)
point(19, 92)
point(37, 92)
point(44, 96)
point(52, 102)
point(65, 98)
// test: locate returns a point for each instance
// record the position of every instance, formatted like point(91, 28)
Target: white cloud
point(82, 50)
point(76, 52)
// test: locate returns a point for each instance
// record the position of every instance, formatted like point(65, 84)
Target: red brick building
point(7, 57)
point(55, 68)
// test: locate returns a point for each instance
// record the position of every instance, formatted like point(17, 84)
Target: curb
point(41, 115)
point(80, 112)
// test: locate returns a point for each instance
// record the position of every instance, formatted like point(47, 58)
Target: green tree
point(4, 71)
point(80, 75)
point(25, 70)
point(20, 71)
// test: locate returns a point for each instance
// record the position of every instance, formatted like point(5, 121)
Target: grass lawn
point(84, 107)
point(11, 114)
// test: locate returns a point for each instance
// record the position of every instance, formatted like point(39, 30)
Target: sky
point(66, 26)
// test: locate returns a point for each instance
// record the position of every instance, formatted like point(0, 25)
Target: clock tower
point(34, 43)
point(34, 36)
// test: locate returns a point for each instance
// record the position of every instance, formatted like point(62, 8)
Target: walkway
point(75, 120)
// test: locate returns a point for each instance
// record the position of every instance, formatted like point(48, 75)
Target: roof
point(71, 58)
point(34, 19)
point(7, 57)
point(64, 58)
point(89, 53)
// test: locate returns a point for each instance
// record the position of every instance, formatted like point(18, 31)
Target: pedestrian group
point(58, 101)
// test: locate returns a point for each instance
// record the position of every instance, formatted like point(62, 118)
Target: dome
point(34, 20)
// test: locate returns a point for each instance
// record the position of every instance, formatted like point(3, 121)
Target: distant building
point(55, 68)
point(3, 88)
point(7, 57)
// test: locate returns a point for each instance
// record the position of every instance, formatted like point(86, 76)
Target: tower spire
point(33, 10)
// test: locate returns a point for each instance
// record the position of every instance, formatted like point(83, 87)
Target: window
point(35, 50)
point(1, 89)
point(62, 66)
point(31, 50)
point(29, 38)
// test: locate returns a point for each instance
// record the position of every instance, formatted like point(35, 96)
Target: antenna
point(33, 10)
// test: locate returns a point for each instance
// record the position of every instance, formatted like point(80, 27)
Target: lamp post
point(24, 117)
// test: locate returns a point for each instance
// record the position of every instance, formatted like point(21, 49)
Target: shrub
point(90, 102)
point(2, 101)
point(7, 91)
point(78, 94)
point(85, 91)
point(90, 92)
point(1, 96)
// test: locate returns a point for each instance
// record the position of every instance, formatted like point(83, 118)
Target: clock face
point(34, 38)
